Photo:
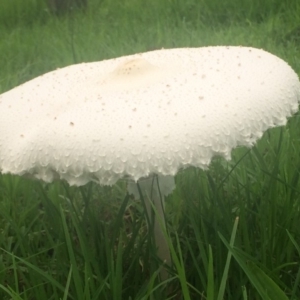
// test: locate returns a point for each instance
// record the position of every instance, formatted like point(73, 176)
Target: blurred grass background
point(61, 242)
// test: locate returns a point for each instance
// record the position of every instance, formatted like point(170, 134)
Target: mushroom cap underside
point(154, 112)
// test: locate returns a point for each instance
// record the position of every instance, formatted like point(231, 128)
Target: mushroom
point(143, 115)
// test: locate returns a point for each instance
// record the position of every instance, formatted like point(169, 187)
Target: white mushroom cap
point(137, 115)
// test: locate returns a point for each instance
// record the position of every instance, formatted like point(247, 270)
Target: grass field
point(234, 229)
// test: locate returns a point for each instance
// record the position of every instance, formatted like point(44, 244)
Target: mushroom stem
point(154, 189)
point(157, 222)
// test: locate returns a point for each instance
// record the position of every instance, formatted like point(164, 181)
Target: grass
point(61, 242)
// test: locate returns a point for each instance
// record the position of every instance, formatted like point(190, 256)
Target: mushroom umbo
point(144, 114)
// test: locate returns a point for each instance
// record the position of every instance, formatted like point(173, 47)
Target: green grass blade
point(14, 295)
point(210, 276)
point(227, 264)
point(66, 292)
point(76, 276)
point(39, 271)
point(297, 280)
point(264, 285)
point(179, 265)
